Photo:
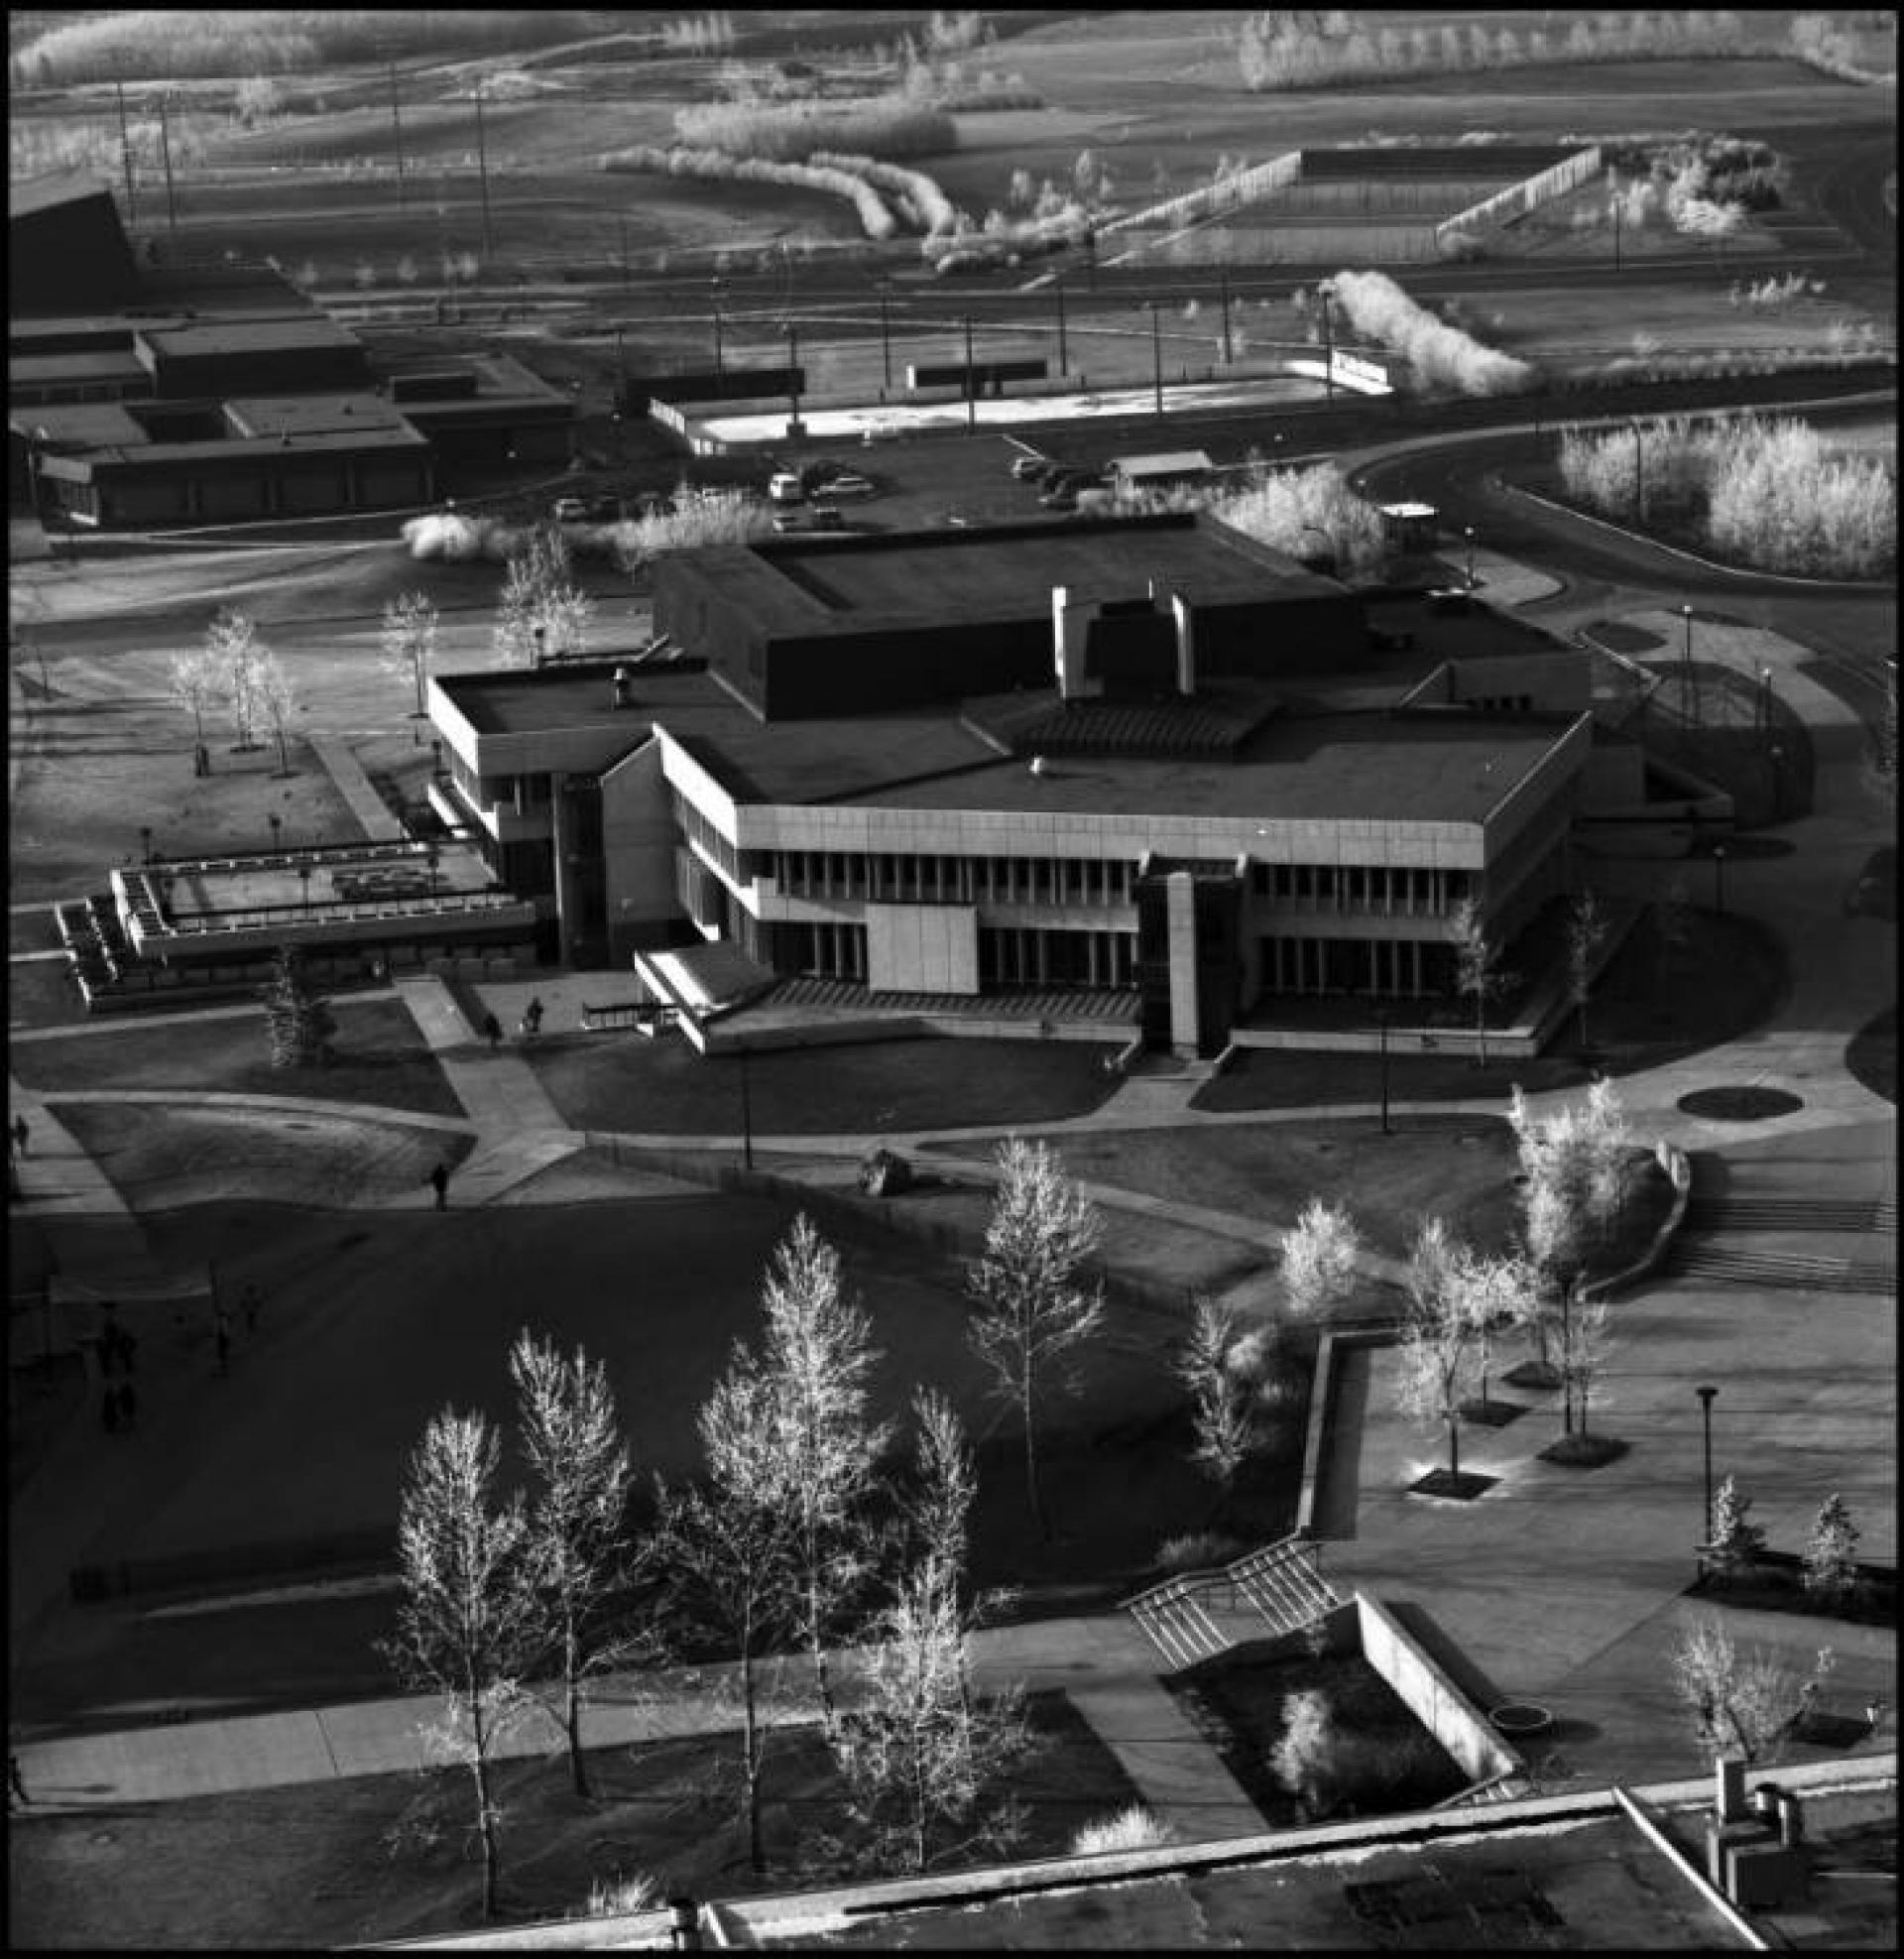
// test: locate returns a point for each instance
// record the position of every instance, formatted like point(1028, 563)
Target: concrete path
point(373, 813)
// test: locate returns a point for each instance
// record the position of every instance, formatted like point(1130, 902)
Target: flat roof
point(1375, 767)
point(258, 416)
point(272, 334)
point(1379, 765)
point(1169, 459)
point(45, 193)
point(795, 585)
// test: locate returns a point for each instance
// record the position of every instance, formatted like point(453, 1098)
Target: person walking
point(20, 1133)
point(439, 1182)
point(16, 1782)
point(533, 1015)
point(250, 1305)
point(492, 1032)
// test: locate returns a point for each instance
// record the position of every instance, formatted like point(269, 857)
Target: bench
point(623, 1013)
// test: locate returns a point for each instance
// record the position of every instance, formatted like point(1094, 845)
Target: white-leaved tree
point(277, 697)
point(580, 1559)
point(191, 679)
point(726, 1544)
point(1319, 1259)
point(1587, 928)
point(819, 1358)
point(1478, 974)
point(409, 643)
point(1222, 1428)
point(1745, 1704)
point(233, 647)
point(465, 1619)
point(543, 613)
point(1034, 1312)
point(1438, 1346)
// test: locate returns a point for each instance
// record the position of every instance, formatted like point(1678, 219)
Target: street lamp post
point(1688, 699)
point(1326, 293)
point(1157, 355)
point(1719, 877)
point(793, 376)
point(885, 336)
point(971, 381)
point(277, 823)
point(144, 842)
point(1765, 699)
point(303, 877)
point(1705, 1396)
point(432, 857)
point(747, 1114)
point(1382, 1032)
point(1778, 782)
point(1469, 534)
point(1064, 361)
point(720, 370)
point(1223, 279)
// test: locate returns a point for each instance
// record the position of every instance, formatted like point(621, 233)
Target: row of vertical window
point(707, 839)
point(926, 878)
point(1380, 888)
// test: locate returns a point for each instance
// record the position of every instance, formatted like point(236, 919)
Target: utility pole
point(885, 342)
point(165, 149)
point(1615, 230)
point(1640, 477)
point(125, 153)
point(1157, 356)
point(1326, 293)
point(396, 127)
point(1064, 364)
point(719, 367)
point(624, 250)
point(793, 376)
point(482, 173)
point(1223, 276)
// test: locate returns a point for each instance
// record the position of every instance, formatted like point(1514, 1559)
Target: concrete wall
point(1435, 1701)
point(922, 948)
point(638, 846)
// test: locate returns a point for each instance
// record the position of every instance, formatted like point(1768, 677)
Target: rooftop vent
point(624, 688)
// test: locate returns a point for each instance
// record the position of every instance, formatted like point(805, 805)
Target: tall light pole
point(1778, 783)
point(1469, 533)
point(1765, 699)
point(1616, 203)
point(1688, 700)
point(793, 376)
point(885, 336)
point(165, 150)
point(746, 1115)
point(1705, 1396)
point(1326, 293)
point(397, 130)
point(971, 381)
point(1156, 353)
point(482, 176)
point(1223, 280)
point(1719, 878)
point(125, 156)
point(1064, 363)
point(1382, 1032)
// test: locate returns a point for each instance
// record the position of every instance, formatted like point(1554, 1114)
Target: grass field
point(382, 1059)
point(317, 1870)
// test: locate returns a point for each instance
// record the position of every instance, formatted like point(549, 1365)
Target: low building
point(878, 764)
point(1131, 473)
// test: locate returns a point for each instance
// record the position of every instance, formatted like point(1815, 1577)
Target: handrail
point(1187, 1586)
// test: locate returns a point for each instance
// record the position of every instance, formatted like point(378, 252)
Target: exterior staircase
point(1280, 1585)
point(1697, 1254)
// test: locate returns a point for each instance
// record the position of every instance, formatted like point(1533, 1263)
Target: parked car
point(1049, 470)
point(569, 510)
point(790, 520)
point(818, 473)
point(785, 487)
point(1058, 498)
point(827, 517)
point(847, 484)
point(1025, 468)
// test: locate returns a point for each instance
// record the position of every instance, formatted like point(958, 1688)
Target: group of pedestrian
point(20, 1133)
point(528, 1027)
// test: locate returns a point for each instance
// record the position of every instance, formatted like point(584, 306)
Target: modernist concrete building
point(1145, 753)
point(152, 394)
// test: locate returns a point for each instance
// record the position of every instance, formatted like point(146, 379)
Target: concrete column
point(1180, 911)
point(565, 906)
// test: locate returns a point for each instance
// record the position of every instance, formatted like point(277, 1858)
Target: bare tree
point(298, 1018)
point(1476, 966)
point(191, 679)
point(409, 647)
point(278, 698)
point(919, 1753)
point(465, 1622)
point(234, 650)
point(727, 1546)
point(1034, 1316)
point(579, 1556)
point(1437, 1348)
point(1587, 928)
point(819, 1358)
point(1319, 1259)
point(1586, 1345)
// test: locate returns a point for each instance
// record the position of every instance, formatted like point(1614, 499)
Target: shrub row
point(920, 201)
point(787, 132)
point(1440, 355)
point(875, 220)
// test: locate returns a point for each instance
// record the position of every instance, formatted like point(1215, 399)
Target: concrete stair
point(1792, 1214)
point(1788, 1271)
point(1197, 1615)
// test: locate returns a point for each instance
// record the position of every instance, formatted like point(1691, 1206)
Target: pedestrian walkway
point(372, 813)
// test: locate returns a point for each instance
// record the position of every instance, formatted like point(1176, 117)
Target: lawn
point(381, 1058)
point(662, 1087)
point(1457, 1164)
point(320, 1870)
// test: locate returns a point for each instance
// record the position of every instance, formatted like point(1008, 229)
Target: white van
point(785, 487)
